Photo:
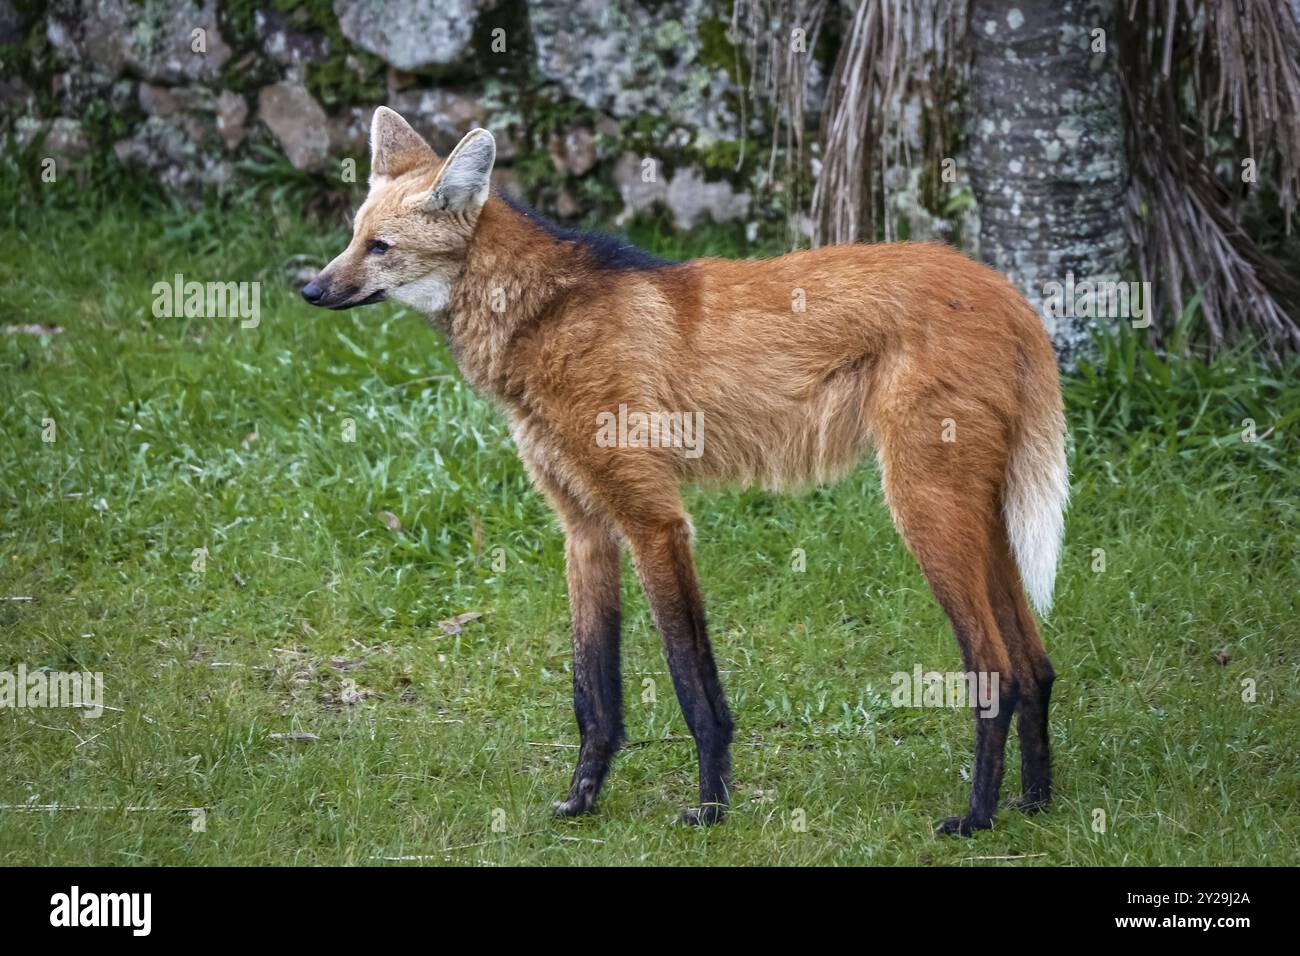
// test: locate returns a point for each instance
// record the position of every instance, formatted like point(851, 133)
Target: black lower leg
point(592, 565)
point(669, 577)
point(700, 694)
point(990, 750)
point(598, 706)
point(1035, 746)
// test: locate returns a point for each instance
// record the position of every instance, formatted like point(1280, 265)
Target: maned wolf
point(912, 350)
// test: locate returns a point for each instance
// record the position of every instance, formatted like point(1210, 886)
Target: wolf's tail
point(1037, 483)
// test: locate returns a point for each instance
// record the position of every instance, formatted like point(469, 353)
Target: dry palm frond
point(1208, 84)
point(893, 51)
point(780, 64)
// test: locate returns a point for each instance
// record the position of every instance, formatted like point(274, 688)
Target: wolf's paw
point(961, 826)
point(572, 807)
point(705, 816)
point(581, 799)
point(1029, 803)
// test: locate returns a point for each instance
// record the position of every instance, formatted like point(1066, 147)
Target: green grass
point(314, 616)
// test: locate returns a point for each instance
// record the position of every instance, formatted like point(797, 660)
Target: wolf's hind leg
point(1034, 672)
point(949, 518)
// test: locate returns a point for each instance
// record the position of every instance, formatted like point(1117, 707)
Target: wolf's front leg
point(592, 560)
point(662, 554)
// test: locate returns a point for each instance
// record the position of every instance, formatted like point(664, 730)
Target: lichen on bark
point(1046, 152)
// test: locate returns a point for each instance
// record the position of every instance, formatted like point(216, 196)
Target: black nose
point(312, 292)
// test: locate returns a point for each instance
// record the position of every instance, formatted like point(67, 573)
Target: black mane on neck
point(607, 251)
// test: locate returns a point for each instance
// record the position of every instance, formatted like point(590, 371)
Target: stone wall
point(585, 96)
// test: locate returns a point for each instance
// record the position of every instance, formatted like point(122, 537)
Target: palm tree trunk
point(1047, 162)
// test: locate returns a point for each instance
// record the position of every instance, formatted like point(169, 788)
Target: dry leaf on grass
point(454, 625)
point(349, 693)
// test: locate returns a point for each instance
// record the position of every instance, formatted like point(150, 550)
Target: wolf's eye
point(377, 247)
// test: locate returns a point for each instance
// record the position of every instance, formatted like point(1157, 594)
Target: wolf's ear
point(465, 180)
point(394, 146)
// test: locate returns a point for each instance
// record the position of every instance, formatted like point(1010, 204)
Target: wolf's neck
point(516, 271)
